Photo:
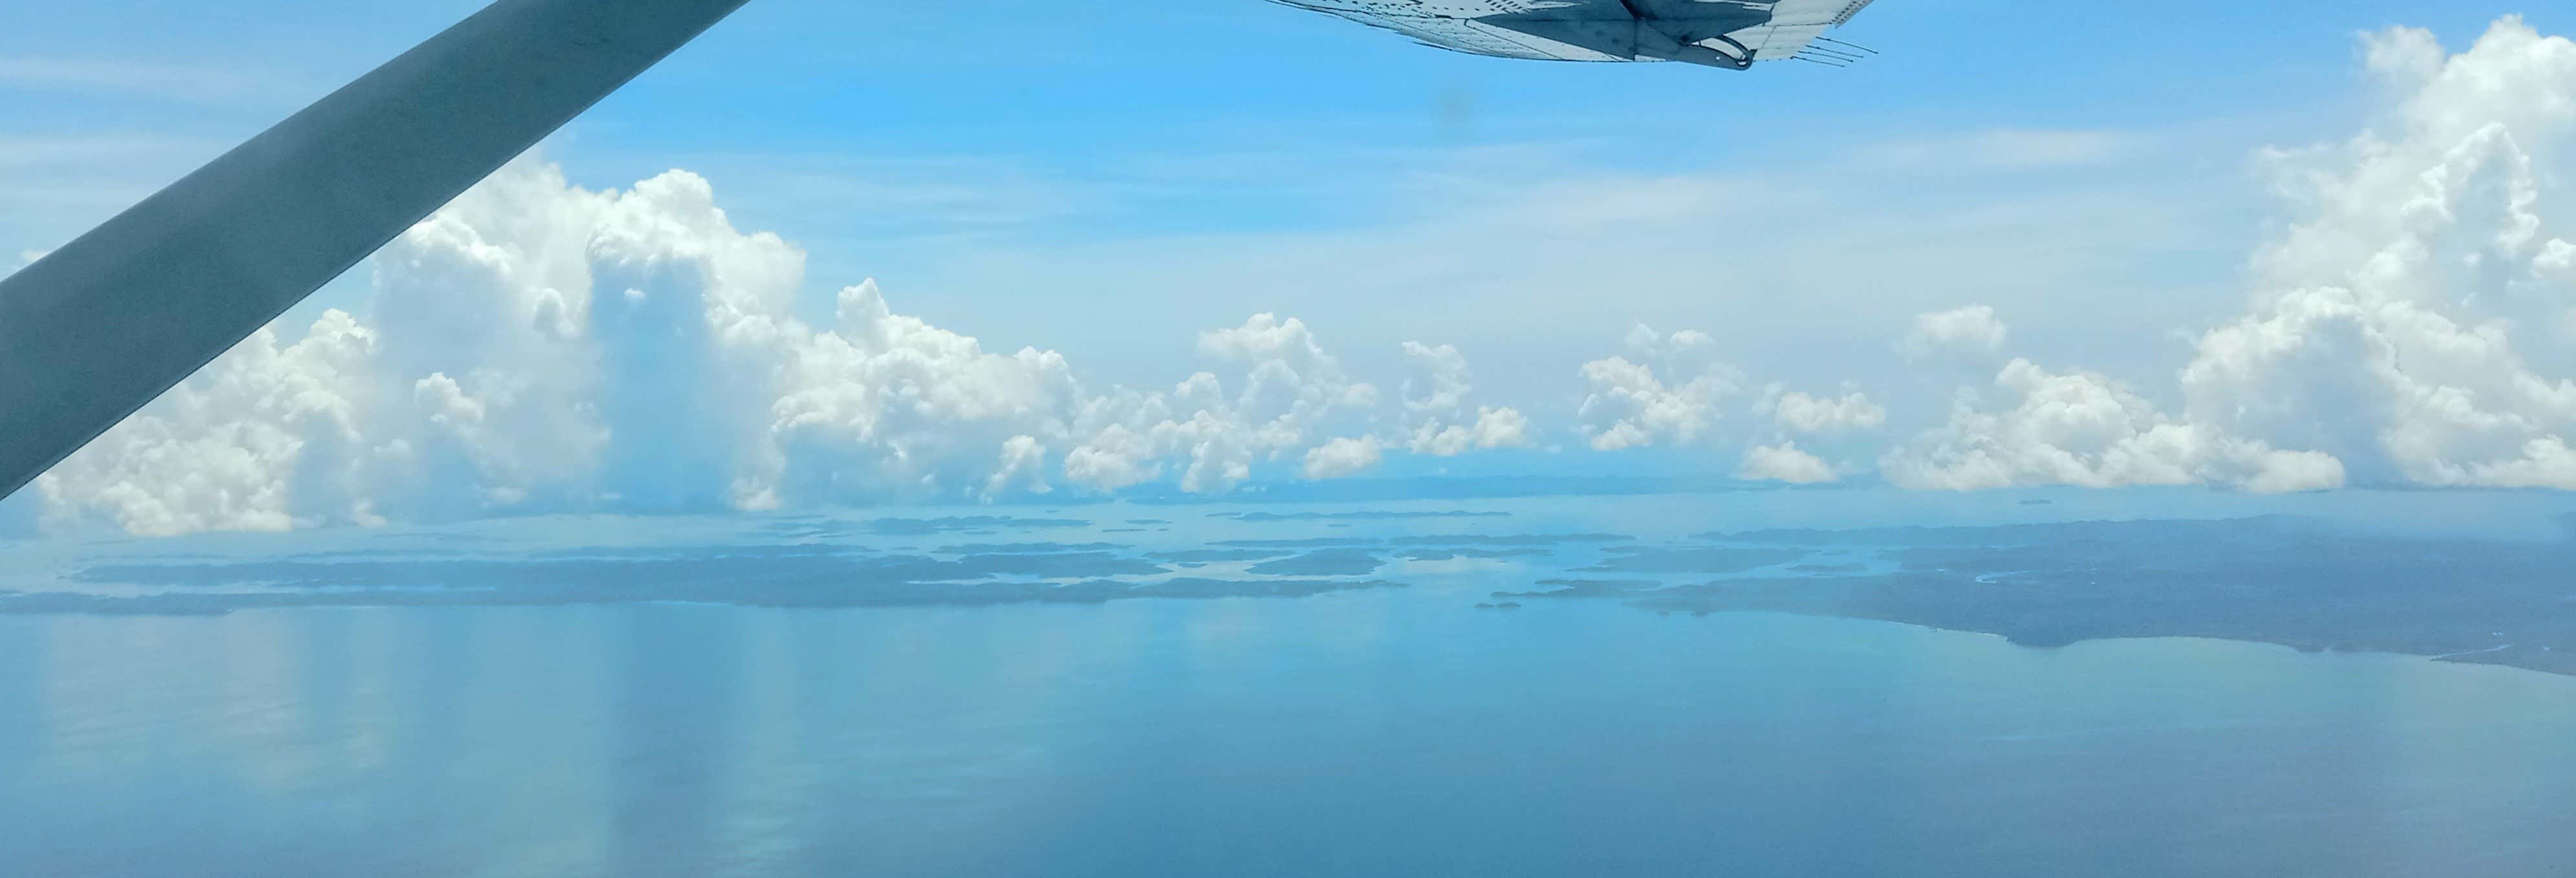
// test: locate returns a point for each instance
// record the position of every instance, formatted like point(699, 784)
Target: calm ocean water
point(1390, 731)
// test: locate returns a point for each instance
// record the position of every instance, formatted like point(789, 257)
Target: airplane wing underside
point(1454, 25)
point(1717, 33)
point(1796, 23)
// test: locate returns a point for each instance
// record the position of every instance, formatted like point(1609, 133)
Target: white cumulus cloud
point(1632, 405)
point(268, 436)
point(1785, 463)
point(2081, 428)
point(539, 346)
point(2418, 323)
point(535, 345)
point(1444, 425)
point(1342, 456)
point(1971, 331)
point(1796, 412)
point(2414, 324)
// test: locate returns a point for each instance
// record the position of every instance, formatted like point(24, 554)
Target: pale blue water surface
point(1385, 730)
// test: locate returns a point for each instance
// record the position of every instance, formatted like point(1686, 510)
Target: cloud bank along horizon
point(536, 346)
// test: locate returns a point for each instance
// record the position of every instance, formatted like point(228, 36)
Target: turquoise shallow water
point(1380, 731)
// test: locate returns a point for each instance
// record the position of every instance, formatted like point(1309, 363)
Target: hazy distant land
point(2274, 580)
point(2298, 582)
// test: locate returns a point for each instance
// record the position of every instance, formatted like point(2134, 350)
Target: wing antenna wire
point(1847, 44)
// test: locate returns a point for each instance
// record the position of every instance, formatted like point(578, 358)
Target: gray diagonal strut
point(99, 327)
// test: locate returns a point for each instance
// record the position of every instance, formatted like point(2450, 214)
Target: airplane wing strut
point(94, 330)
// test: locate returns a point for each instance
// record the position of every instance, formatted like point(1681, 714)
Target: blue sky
point(1114, 188)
